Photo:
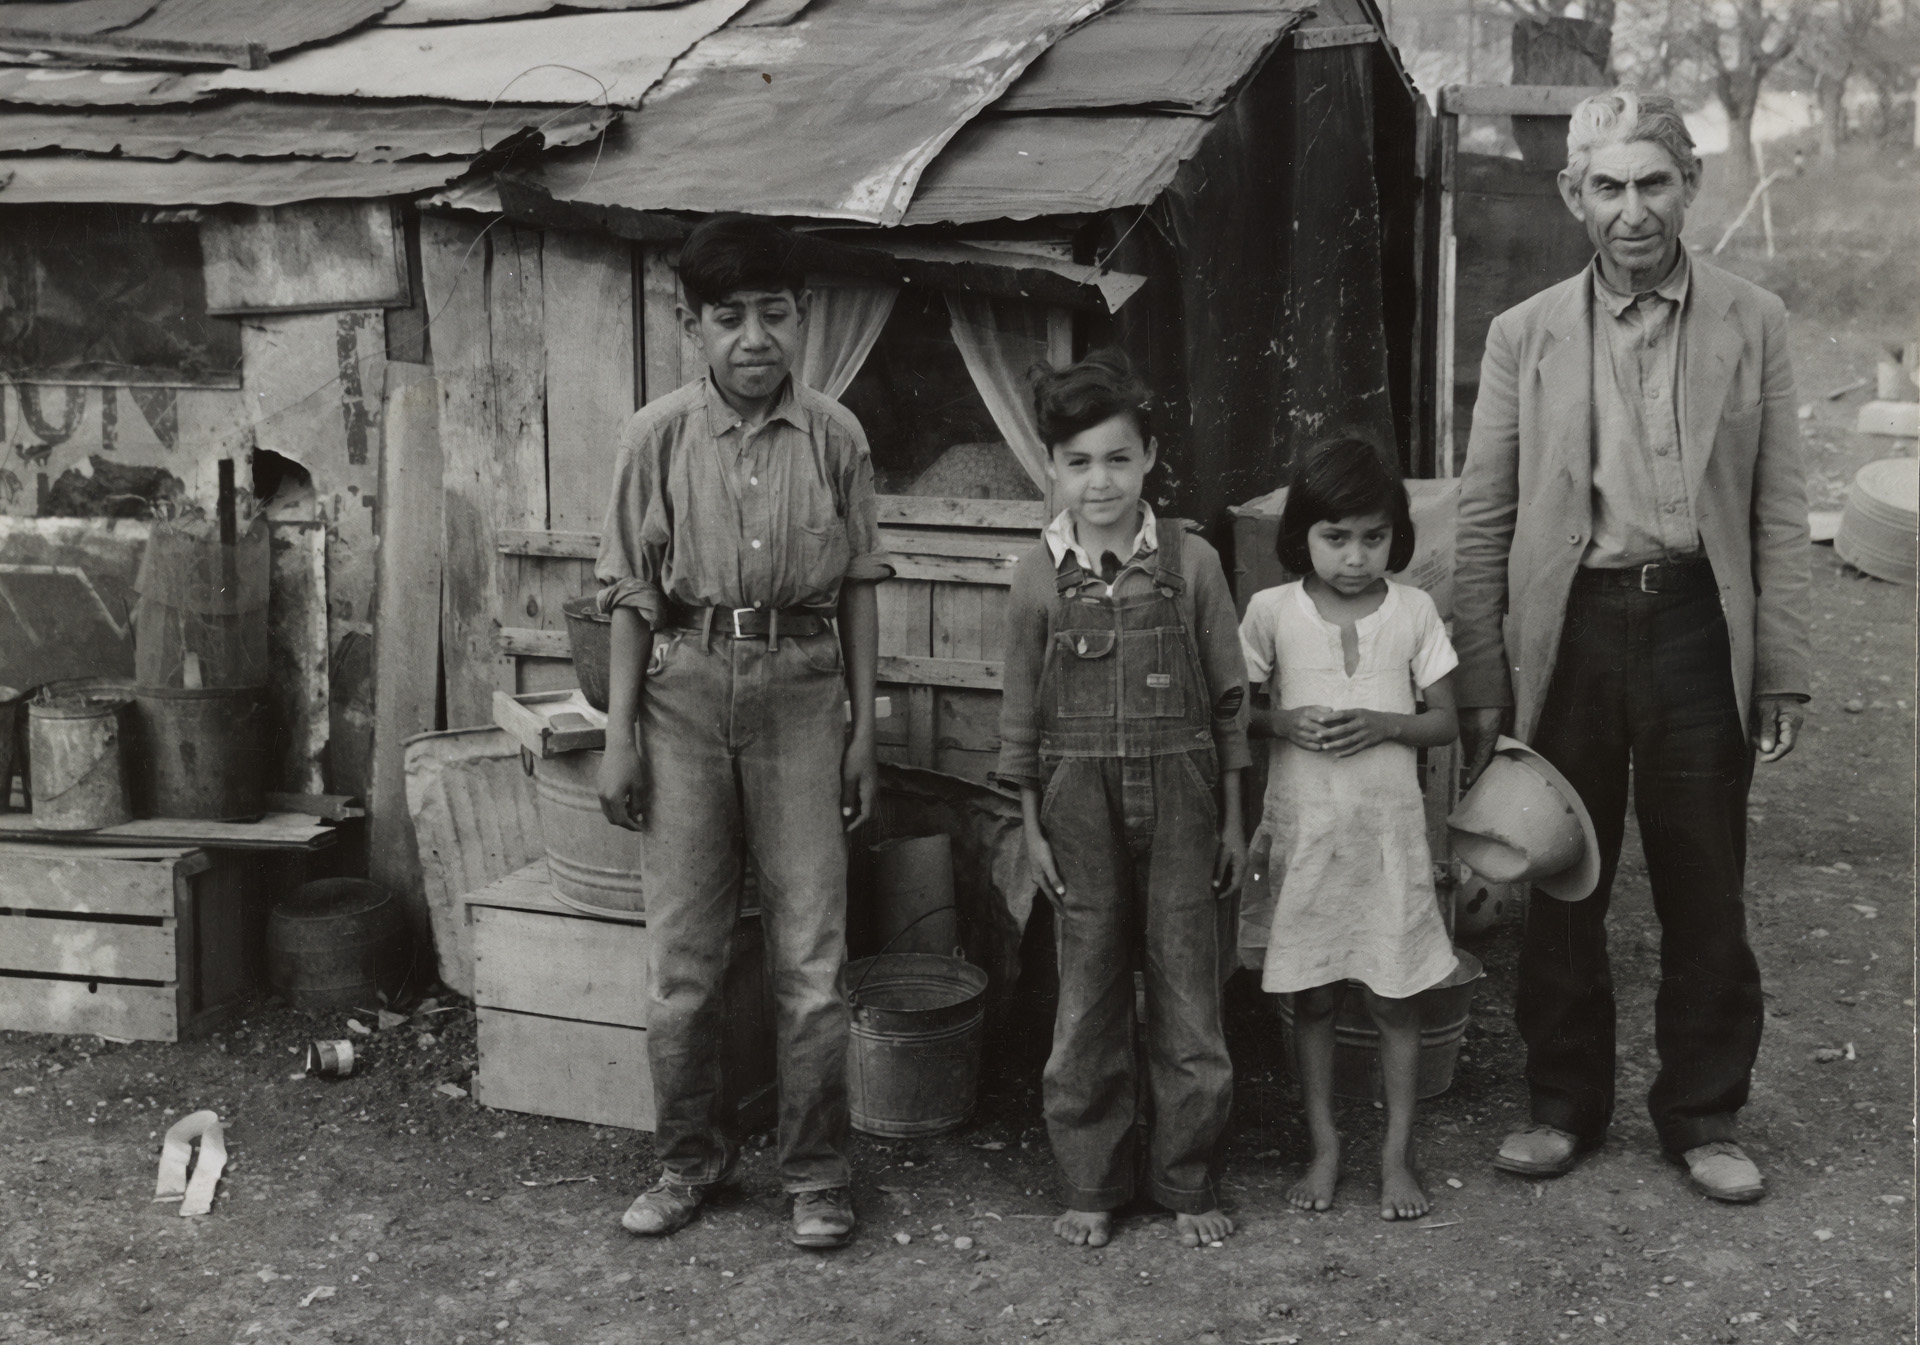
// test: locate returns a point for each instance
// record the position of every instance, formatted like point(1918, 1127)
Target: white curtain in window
point(1000, 339)
point(843, 322)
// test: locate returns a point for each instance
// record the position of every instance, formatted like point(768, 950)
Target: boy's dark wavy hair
point(1338, 478)
point(730, 253)
point(1095, 389)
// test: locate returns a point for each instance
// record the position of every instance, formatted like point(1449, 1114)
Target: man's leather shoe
point(1538, 1151)
point(823, 1218)
point(662, 1209)
point(1722, 1170)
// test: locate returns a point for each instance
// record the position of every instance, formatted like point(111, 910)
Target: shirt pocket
point(1084, 664)
point(1153, 668)
point(821, 551)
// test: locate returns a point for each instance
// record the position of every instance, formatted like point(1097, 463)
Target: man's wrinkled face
point(1634, 201)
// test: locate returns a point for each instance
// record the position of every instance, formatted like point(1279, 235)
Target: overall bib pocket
point(1083, 672)
point(1153, 665)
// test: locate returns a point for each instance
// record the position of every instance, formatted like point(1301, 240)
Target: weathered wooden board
point(946, 512)
point(94, 880)
point(659, 327)
point(906, 618)
point(561, 965)
point(317, 255)
point(589, 286)
point(971, 674)
point(489, 356)
point(273, 831)
point(136, 1012)
point(406, 647)
point(87, 948)
point(589, 1072)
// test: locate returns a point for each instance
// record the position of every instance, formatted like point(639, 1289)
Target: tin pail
point(201, 752)
point(76, 746)
point(1444, 1010)
point(593, 865)
point(913, 1063)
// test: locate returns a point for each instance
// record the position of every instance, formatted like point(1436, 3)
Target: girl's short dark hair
point(1084, 394)
point(731, 253)
point(1336, 479)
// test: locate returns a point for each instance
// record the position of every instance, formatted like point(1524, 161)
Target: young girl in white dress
point(1342, 653)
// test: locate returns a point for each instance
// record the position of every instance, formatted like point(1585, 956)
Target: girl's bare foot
point(1083, 1228)
point(1199, 1229)
point(1401, 1196)
point(1315, 1190)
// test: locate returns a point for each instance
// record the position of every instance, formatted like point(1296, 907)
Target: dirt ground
point(430, 1220)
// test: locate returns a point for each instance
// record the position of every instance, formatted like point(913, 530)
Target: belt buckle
point(739, 634)
point(1647, 573)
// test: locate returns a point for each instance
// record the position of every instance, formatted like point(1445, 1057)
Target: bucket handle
point(853, 996)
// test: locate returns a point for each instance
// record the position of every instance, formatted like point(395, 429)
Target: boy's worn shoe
point(1722, 1170)
point(663, 1208)
point(823, 1218)
point(1538, 1151)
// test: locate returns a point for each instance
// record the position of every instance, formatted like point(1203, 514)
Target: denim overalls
point(1129, 808)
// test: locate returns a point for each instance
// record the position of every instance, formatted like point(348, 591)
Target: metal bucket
point(336, 944)
point(590, 636)
point(1444, 1010)
point(592, 864)
point(913, 1063)
point(201, 752)
point(79, 777)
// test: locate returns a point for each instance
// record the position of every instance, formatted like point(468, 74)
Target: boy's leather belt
point(1677, 576)
point(751, 623)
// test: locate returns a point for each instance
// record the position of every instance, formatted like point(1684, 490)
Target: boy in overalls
point(742, 524)
point(1123, 727)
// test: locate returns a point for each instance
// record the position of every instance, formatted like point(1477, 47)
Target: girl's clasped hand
point(1320, 728)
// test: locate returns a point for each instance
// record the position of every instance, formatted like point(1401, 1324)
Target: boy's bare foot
point(1314, 1191)
point(1196, 1230)
point(1401, 1196)
point(1083, 1228)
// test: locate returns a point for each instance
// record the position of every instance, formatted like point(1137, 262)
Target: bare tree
point(1839, 42)
point(1731, 47)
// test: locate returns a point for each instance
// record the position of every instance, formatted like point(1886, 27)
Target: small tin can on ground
point(330, 1059)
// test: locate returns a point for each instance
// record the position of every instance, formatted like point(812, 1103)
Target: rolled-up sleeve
point(1217, 634)
point(868, 560)
point(1025, 659)
point(633, 543)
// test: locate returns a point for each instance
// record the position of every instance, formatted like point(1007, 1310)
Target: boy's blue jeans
point(745, 742)
point(1134, 839)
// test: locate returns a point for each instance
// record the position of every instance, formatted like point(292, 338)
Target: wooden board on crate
point(270, 831)
point(548, 723)
point(561, 999)
point(141, 944)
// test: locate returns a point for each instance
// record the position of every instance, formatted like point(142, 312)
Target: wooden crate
point(146, 944)
point(562, 996)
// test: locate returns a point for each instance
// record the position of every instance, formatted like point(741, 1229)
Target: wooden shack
point(425, 295)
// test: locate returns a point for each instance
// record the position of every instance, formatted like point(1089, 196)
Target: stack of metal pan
point(1880, 529)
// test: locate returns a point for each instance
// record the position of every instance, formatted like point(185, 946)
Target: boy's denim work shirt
point(705, 515)
point(1032, 607)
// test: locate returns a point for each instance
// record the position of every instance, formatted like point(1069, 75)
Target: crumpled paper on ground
point(195, 1195)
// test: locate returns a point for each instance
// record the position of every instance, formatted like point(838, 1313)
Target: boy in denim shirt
point(742, 523)
point(1123, 727)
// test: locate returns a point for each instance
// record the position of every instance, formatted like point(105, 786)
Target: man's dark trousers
point(1644, 680)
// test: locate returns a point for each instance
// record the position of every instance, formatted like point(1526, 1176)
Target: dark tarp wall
point(1262, 325)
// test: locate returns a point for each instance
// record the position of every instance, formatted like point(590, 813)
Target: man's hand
point(1040, 855)
point(1230, 860)
point(859, 780)
point(1480, 729)
point(623, 784)
point(1776, 725)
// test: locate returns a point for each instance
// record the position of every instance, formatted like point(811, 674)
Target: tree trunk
point(1739, 93)
point(1830, 92)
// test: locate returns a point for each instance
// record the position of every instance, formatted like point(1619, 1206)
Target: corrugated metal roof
point(835, 116)
point(296, 128)
point(568, 58)
point(75, 16)
point(1018, 167)
point(413, 12)
point(1153, 54)
point(39, 179)
point(143, 32)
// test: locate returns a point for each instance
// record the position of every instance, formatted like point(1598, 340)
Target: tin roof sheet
point(38, 179)
point(1019, 167)
point(835, 116)
point(1165, 54)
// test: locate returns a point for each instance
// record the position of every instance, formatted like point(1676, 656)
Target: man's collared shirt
point(1063, 540)
point(1640, 508)
point(705, 513)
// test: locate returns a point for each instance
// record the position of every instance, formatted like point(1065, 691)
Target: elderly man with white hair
point(1631, 597)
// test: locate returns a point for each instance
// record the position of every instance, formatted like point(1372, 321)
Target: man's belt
point(750, 623)
point(1673, 576)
